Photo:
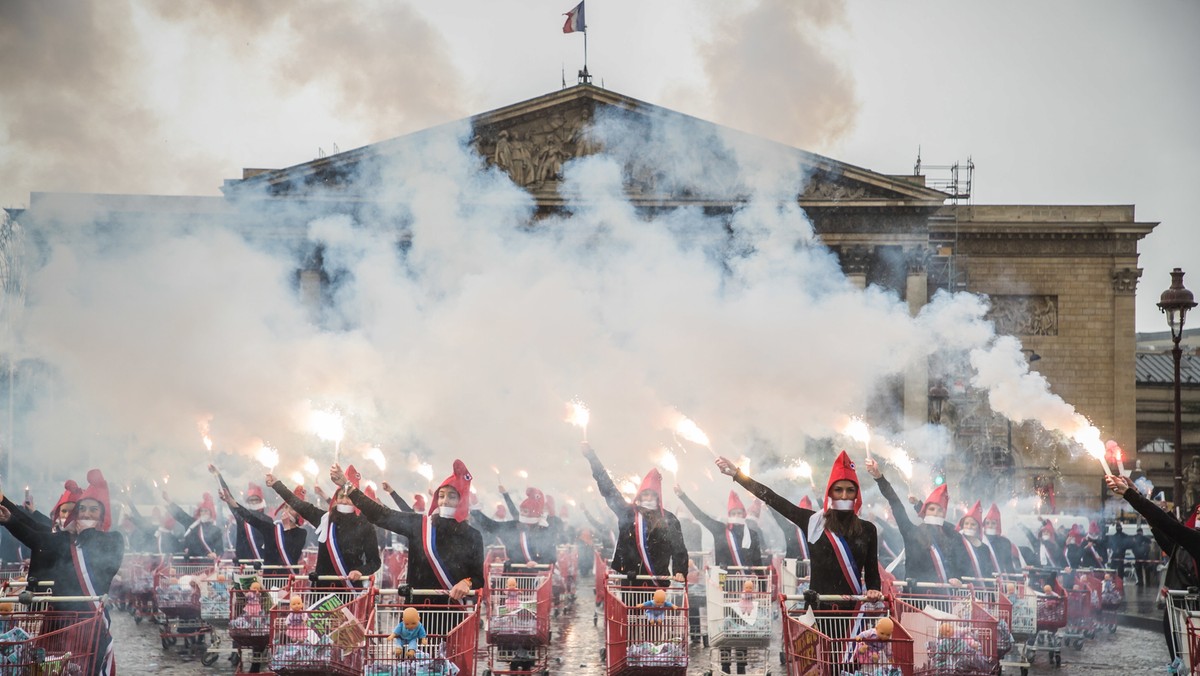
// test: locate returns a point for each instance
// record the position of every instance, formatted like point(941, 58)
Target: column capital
point(1125, 280)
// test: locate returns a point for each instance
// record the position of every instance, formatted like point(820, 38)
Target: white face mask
point(991, 530)
point(970, 532)
point(256, 506)
point(346, 509)
point(650, 504)
point(842, 505)
point(207, 518)
point(85, 524)
point(531, 520)
point(737, 520)
point(935, 520)
point(447, 512)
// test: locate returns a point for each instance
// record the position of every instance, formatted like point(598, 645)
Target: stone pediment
point(533, 140)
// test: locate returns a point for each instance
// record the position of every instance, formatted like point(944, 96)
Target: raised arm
point(596, 523)
point(407, 524)
point(404, 506)
point(309, 511)
point(23, 529)
point(604, 483)
point(899, 513)
point(793, 513)
point(1172, 528)
point(484, 522)
point(177, 512)
point(508, 501)
point(714, 526)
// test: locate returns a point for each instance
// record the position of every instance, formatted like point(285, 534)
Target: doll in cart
point(298, 630)
point(1111, 596)
point(409, 634)
point(512, 596)
point(656, 608)
point(873, 654)
point(956, 651)
point(257, 603)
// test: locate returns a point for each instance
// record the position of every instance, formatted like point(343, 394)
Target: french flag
point(575, 22)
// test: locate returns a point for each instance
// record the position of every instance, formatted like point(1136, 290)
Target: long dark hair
point(843, 522)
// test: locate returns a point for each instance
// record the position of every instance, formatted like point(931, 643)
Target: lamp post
point(937, 399)
point(1175, 303)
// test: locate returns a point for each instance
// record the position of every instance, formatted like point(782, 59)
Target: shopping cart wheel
point(137, 619)
point(209, 658)
point(1057, 659)
point(1079, 644)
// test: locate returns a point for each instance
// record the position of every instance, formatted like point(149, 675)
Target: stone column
point(856, 260)
point(916, 379)
point(1124, 415)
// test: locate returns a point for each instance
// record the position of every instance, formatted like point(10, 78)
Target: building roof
point(1159, 369)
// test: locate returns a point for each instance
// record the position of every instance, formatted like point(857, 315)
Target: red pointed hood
point(97, 490)
point(843, 470)
point(976, 512)
point(300, 493)
point(652, 482)
point(939, 496)
point(460, 481)
point(71, 493)
point(805, 503)
point(734, 503)
point(1094, 528)
point(418, 503)
point(1075, 535)
point(755, 509)
point(353, 476)
point(994, 515)
point(369, 491)
point(254, 491)
point(1048, 529)
point(206, 503)
point(501, 511)
point(534, 503)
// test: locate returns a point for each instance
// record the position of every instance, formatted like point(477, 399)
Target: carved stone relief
point(856, 260)
point(1125, 280)
point(533, 153)
point(1025, 315)
point(823, 189)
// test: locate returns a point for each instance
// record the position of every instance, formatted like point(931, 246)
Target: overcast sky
point(1088, 102)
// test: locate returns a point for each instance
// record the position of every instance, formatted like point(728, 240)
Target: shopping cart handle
point(747, 568)
point(435, 592)
point(978, 579)
point(313, 577)
point(28, 598)
point(923, 585)
point(828, 598)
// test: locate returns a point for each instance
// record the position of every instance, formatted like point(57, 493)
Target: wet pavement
point(577, 640)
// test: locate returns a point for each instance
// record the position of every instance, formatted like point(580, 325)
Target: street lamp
point(937, 399)
point(1175, 303)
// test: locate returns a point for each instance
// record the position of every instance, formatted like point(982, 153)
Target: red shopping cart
point(518, 604)
point(321, 630)
point(450, 644)
point(43, 640)
point(830, 642)
point(641, 636)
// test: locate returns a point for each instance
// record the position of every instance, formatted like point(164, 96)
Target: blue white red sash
point(429, 542)
point(283, 555)
point(939, 565)
point(995, 561)
point(529, 558)
point(109, 659)
point(971, 554)
point(733, 545)
point(255, 550)
point(845, 559)
point(641, 533)
point(803, 544)
point(335, 553)
point(204, 540)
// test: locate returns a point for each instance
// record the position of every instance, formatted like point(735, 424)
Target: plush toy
point(512, 596)
point(408, 634)
point(656, 608)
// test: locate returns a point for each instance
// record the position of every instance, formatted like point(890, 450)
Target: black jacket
point(202, 540)
point(664, 541)
point(1006, 554)
point(459, 546)
point(826, 573)
point(101, 556)
point(271, 534)
point(723, 555)
point(41, 563)
point(355, 536)
point(920, 538)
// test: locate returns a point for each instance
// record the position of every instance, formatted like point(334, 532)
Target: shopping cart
point(566, 577)
point(600, 572)
point(137, 575)
point(12, 571)
point(395, 568)
point(494, 557)
point(43, 640)
point(990, 593)
point(178, 609)
point(793, 577)
point(518, 604)
point(640, 637)
point(833, 642)
point(1183, 613)
point(451, 641)
point(740, 612)
point(1081, 613)
point(326, 633)
point(253, 594)
point(1109, 591)
point(952, 633)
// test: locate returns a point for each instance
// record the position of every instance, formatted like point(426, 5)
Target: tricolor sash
point(109, 659)
point(529, 558)
point(204, 540)
point(845, 559)
point(254, 548)
point(992, 552)
point(971, 554)
point(939, 564)
point(429, 542)
point(803, 544)
point(642, 534)
point(733, 547)
point(283, 555)
point(335, 553)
